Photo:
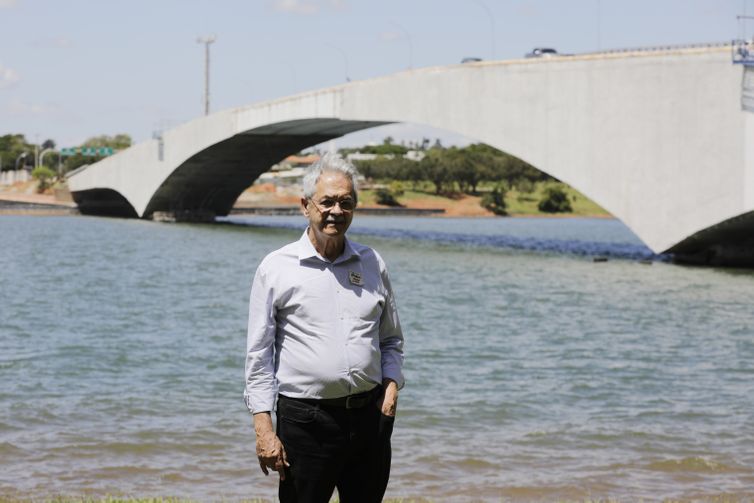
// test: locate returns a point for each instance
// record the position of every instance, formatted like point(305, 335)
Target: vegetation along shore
point(472, 181)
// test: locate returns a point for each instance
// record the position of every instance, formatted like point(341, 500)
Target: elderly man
point(325, 341)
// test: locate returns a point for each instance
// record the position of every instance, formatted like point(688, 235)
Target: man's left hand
point(388, 401)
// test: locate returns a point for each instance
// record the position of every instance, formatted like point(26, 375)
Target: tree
point(476, 163)
point(11, 147)
point(437, 169)
point(495, 201)
point(45, 176)
point(555, 200)
point(117, 142)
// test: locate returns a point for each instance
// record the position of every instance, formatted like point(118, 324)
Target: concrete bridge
point(660, 138)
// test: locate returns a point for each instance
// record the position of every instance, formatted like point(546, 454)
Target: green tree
point(45, 176)
point(11, 147)
point(437, 169)
point(555, 200)
point(495, 201)
point(117, 142)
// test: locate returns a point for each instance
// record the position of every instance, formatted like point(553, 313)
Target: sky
point(73, 69)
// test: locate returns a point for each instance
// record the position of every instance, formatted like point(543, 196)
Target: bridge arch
point(656, 138)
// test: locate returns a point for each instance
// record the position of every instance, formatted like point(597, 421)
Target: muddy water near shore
point(532, 374)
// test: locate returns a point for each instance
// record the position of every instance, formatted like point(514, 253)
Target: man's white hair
point(329, 162)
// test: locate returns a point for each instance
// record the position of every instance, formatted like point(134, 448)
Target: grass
point(526, 204)
point(518, 203)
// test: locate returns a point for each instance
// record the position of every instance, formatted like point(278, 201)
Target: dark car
point(471, 60)
point(542, 52)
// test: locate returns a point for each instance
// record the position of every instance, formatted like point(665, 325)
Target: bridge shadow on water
point(598, 250)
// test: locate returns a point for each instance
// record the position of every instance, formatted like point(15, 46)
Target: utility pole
point(206, 41)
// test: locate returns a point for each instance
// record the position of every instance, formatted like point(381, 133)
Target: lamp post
point(345, 59)
point(207, 41)
point(410, 45)
point(18, 159)
point(42, 156)
point(492, 23)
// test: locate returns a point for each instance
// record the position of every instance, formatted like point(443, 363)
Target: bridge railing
point(662, 48)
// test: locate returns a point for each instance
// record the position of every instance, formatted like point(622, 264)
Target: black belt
point(356, 401)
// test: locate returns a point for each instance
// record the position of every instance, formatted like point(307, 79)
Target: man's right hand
point(270, 450)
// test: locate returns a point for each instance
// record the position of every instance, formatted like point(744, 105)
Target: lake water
point(533, 373)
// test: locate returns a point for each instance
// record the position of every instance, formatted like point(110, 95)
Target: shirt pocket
point(364, 305)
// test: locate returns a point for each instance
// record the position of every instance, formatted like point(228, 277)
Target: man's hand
point(270, 450)
point(388, 402)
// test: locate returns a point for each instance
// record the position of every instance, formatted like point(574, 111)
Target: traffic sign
point(87, 151)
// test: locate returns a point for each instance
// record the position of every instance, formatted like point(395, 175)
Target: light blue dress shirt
point(320, 329)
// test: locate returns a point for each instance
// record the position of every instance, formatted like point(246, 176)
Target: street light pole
point(42, 155)
point(491, 16)
point(206, 41)
point(410, 45)
point(18, 159)
point(345, 59)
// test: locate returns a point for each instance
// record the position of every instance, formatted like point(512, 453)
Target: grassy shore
point(465, 205)
point(455, 204)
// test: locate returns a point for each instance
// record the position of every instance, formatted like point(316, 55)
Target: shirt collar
point(306, 250)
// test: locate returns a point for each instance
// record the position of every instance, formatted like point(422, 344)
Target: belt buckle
point(355, 403)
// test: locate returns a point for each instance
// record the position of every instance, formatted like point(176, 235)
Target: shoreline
point(14, 203)
point(36, 209)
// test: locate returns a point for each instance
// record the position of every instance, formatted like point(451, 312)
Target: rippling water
point(532, 372)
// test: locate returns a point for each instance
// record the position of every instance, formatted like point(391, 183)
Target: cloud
point(303, 7)
point(389, 36)
point(338, 4)
point(8, 76)
point(59, 42)
point(7, 4)
point(20, 108)
point(528, 9)
point(306, 7)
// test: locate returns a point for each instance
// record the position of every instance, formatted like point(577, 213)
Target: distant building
point(289, 172)
point(411, 155)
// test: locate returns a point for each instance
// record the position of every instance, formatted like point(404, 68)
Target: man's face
point(326, 215)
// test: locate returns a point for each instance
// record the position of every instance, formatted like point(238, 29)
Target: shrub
point(555, 200)
point(495, 201)
point(525, 186)
point(385, 197)
point(45, 176)
point(396, 188)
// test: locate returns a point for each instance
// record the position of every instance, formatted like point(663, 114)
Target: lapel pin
point(355, 278)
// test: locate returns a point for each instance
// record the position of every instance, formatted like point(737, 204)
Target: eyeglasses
point(347, 205)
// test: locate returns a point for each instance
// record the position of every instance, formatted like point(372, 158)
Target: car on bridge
point(542, 52)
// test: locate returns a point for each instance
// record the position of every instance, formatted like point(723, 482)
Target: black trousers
point(329, 447)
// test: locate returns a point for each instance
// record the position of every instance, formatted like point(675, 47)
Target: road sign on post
point(87, 151)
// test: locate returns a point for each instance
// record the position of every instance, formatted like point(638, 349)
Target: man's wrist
point(262, 423)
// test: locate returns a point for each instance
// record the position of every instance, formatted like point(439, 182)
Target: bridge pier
point(739, 254)
point(729, 243)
